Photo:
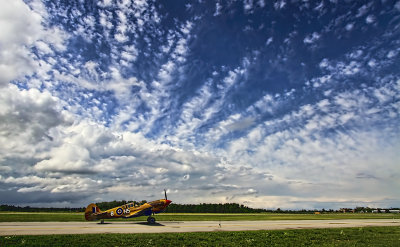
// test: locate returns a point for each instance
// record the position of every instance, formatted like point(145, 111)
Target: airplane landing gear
point(102, 222)
point(151, 220)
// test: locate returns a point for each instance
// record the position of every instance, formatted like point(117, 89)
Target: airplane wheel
point(102, 222)
point(151, 220)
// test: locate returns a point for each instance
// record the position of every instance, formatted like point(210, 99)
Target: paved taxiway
point(42, 228)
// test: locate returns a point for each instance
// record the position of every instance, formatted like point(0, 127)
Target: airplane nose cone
point(167, 202)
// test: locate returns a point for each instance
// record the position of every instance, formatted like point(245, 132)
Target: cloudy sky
point(289, 103)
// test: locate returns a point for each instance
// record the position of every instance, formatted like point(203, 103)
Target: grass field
point(368, 236)
point(63, 217)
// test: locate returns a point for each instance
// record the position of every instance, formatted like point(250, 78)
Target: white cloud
point(121, 37)
point(67, 158)
point(217, 9)
point(280, 4)
point(397, 5)
point(43, 47)
point(312, 38)
point(105, 19)
point(20, 28)
point(130, 53)
point(392, 54)
point(319, 7)
point(298, 161)
point(155, 96)
point(102, 123)
point(305, 149)
point(105, 3)
point(247, 5)
point(165, 73)
point(363, 10)
point(52, 184)
point(27, 118)
point(269, 41)
point(324, 63)
point(349, 26)
point(21, 31)
point(198, 110)
point(370, 19)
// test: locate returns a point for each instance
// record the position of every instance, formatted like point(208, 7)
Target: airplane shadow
point(148, 224)
point(136, 223)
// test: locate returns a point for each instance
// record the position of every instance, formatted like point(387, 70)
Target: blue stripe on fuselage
point(148, 212)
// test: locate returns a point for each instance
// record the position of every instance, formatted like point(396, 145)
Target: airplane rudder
point(91, 209)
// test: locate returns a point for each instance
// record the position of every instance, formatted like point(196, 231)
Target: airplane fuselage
point(128, 210)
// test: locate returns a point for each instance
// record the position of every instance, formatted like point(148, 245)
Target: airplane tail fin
point(91, 212)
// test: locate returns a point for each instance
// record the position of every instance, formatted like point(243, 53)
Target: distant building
point(347, 210)
point(380, 210)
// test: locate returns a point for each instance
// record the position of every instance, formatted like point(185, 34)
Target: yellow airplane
point(129, 210)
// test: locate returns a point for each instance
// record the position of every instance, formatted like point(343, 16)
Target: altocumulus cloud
point(268, 103)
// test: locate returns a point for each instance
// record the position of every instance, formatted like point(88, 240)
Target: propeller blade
point(165, 193)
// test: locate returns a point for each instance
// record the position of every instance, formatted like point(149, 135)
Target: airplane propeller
point(165, 193)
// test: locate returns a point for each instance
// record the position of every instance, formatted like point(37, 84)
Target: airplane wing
point(144, 209)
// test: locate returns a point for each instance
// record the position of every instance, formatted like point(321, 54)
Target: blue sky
point(290, 104)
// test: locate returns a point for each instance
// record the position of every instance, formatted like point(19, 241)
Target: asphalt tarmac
point(44, 228)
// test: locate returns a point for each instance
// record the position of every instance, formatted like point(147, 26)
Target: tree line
point(211, 208)
point(192, 208)
point(13, 208)
point(172, 208)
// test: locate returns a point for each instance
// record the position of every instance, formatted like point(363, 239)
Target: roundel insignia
point(119, 211)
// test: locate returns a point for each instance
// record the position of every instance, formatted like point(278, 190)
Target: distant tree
point(211, 208)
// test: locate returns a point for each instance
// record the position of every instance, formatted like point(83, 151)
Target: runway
point(45, 228)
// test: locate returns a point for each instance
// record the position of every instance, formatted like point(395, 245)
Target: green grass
point(38, 217)
point(368, 236)
point(63, 217)
point(270, 216)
